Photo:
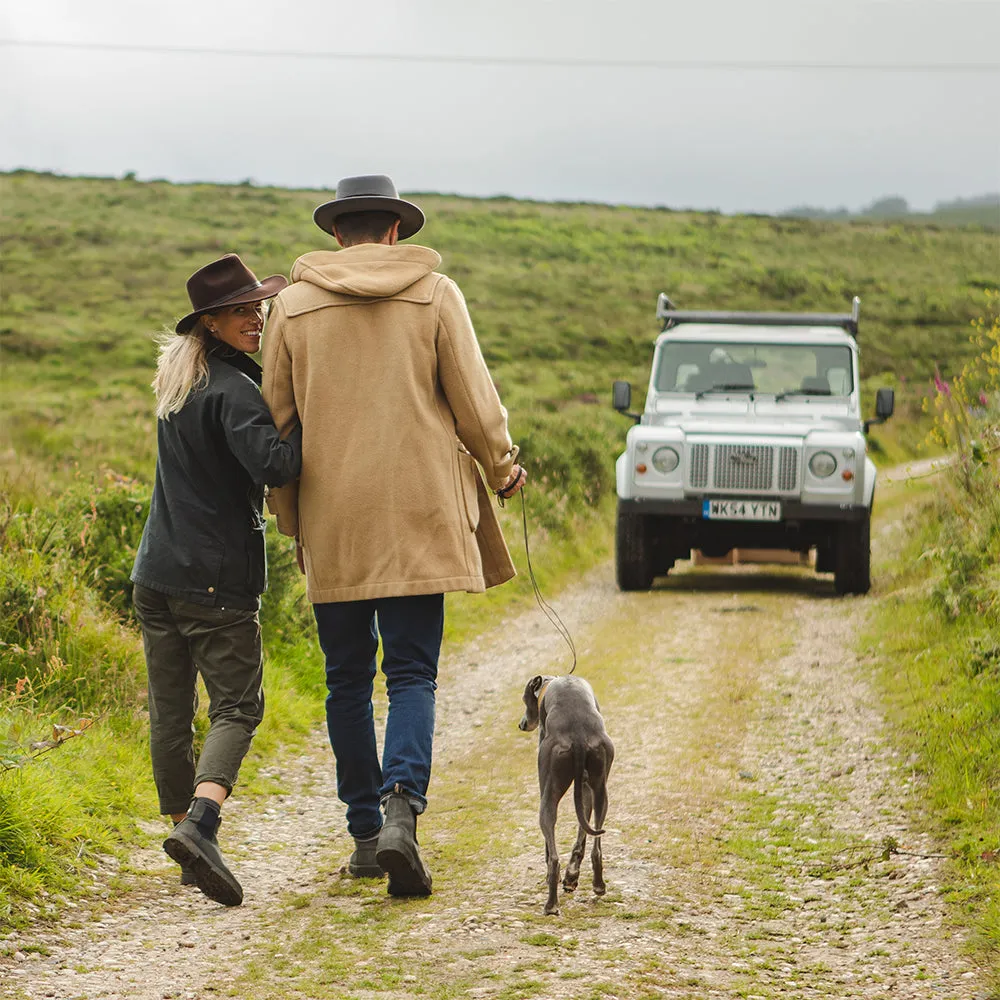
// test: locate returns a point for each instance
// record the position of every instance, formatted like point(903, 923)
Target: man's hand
point(518, 477)
point(300, 557)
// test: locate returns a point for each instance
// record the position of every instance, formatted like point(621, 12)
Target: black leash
point(547, 610)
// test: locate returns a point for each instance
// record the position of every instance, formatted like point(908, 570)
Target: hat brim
point(411, 218)
point(269, 287)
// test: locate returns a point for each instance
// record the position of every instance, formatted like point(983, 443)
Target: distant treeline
point(981, 210)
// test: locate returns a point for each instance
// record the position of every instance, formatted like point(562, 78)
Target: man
point(373, 350)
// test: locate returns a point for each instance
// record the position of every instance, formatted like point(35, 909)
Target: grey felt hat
point(369, 193)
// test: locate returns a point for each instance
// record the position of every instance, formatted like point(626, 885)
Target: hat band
point(230, 295)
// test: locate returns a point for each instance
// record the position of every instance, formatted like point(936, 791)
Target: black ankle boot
point(363, 863)
point(398, 853)
point(193, 845)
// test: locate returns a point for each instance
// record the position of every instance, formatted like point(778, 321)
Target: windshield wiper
point(785, 393)
point(725, 387)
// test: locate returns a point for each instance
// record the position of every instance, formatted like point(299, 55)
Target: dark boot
point(363, 863)
point(398, 853)
point(192, 844)
point(188, 877)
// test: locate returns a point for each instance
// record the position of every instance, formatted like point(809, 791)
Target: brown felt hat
point(369, 193)
point(226, 282)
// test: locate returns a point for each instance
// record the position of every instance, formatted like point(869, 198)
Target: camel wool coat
point(374, 352)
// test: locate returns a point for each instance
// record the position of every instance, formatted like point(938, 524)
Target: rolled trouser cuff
point(216, 779)
point(417, 802)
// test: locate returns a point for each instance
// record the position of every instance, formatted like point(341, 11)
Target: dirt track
point(750, 797)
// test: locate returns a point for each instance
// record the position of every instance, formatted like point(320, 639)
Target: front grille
point(743, 467)
point(788, 469)
point(699, 466)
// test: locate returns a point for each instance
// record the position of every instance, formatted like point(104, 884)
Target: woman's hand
point(518, 477)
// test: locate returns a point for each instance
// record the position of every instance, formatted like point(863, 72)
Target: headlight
point(822, 465)
point(665, 460)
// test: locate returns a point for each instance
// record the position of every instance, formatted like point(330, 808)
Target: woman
point(200, 568)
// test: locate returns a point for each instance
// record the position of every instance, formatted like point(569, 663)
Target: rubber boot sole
point(218, 884)
point(399, 859)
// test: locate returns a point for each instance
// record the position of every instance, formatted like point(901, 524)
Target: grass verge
point(936, 638)
point(940, 678)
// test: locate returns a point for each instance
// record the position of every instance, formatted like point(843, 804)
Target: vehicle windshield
point(779, 369)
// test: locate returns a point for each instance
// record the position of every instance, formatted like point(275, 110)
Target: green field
point(563, 299)
point(563, 296)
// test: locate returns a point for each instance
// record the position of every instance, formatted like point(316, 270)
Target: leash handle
point(506, 492)
point(547, 609)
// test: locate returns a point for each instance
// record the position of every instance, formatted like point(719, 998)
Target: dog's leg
point(554, 778)
point(547, 821)
point(597, 863)
point(572, 876)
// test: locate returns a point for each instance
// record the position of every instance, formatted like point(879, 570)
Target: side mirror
point(621, 399)
point(621, 396)
point(885, 403)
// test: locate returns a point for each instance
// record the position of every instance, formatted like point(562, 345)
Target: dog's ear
point(529, 721)
point(531, 690)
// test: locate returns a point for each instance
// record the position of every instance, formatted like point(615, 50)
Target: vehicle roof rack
point(670, 316)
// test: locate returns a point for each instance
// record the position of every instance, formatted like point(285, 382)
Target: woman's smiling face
point(238, 326)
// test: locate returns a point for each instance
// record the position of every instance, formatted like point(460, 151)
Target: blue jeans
point(411, 629)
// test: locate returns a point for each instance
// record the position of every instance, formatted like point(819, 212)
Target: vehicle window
point(814, 370)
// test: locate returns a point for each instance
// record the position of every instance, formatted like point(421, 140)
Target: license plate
point(741, 510)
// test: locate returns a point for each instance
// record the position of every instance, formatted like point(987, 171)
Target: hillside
point(562, 295)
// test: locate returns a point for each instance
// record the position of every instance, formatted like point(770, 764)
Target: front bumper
point(792, 511)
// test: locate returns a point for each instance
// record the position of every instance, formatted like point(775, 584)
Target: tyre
point(633, 551)
point(852, 571)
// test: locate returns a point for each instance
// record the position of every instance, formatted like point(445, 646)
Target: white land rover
point(752, 436)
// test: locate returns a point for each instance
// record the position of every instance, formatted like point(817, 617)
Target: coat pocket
point(467, 473)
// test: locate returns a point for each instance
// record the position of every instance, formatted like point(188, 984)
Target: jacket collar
point(242, 362)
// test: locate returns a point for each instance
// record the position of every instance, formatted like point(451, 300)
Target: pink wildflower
point(983, 399)
point(939, 383)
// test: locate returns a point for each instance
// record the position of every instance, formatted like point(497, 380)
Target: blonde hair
point(181, 367)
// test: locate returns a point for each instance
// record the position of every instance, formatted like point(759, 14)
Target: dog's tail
point(580, 755)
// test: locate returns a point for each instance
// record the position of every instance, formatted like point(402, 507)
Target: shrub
point(967, 424)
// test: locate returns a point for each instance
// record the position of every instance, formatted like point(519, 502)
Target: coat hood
point(368, 270)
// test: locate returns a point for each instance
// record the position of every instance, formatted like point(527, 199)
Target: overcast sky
point(776, 104)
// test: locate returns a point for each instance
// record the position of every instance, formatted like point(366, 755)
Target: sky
point(734, 105)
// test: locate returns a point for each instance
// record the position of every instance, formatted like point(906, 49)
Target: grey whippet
point(573, 749)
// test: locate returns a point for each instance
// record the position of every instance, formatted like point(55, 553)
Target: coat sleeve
point(279, 396)
point(254, 440)
point(480, 419)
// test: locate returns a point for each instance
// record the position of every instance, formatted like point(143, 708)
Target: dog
point(573, 749)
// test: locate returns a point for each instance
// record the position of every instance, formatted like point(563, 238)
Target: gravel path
point(752, 791)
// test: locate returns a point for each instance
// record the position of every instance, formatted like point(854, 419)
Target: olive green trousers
point(182, 640)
